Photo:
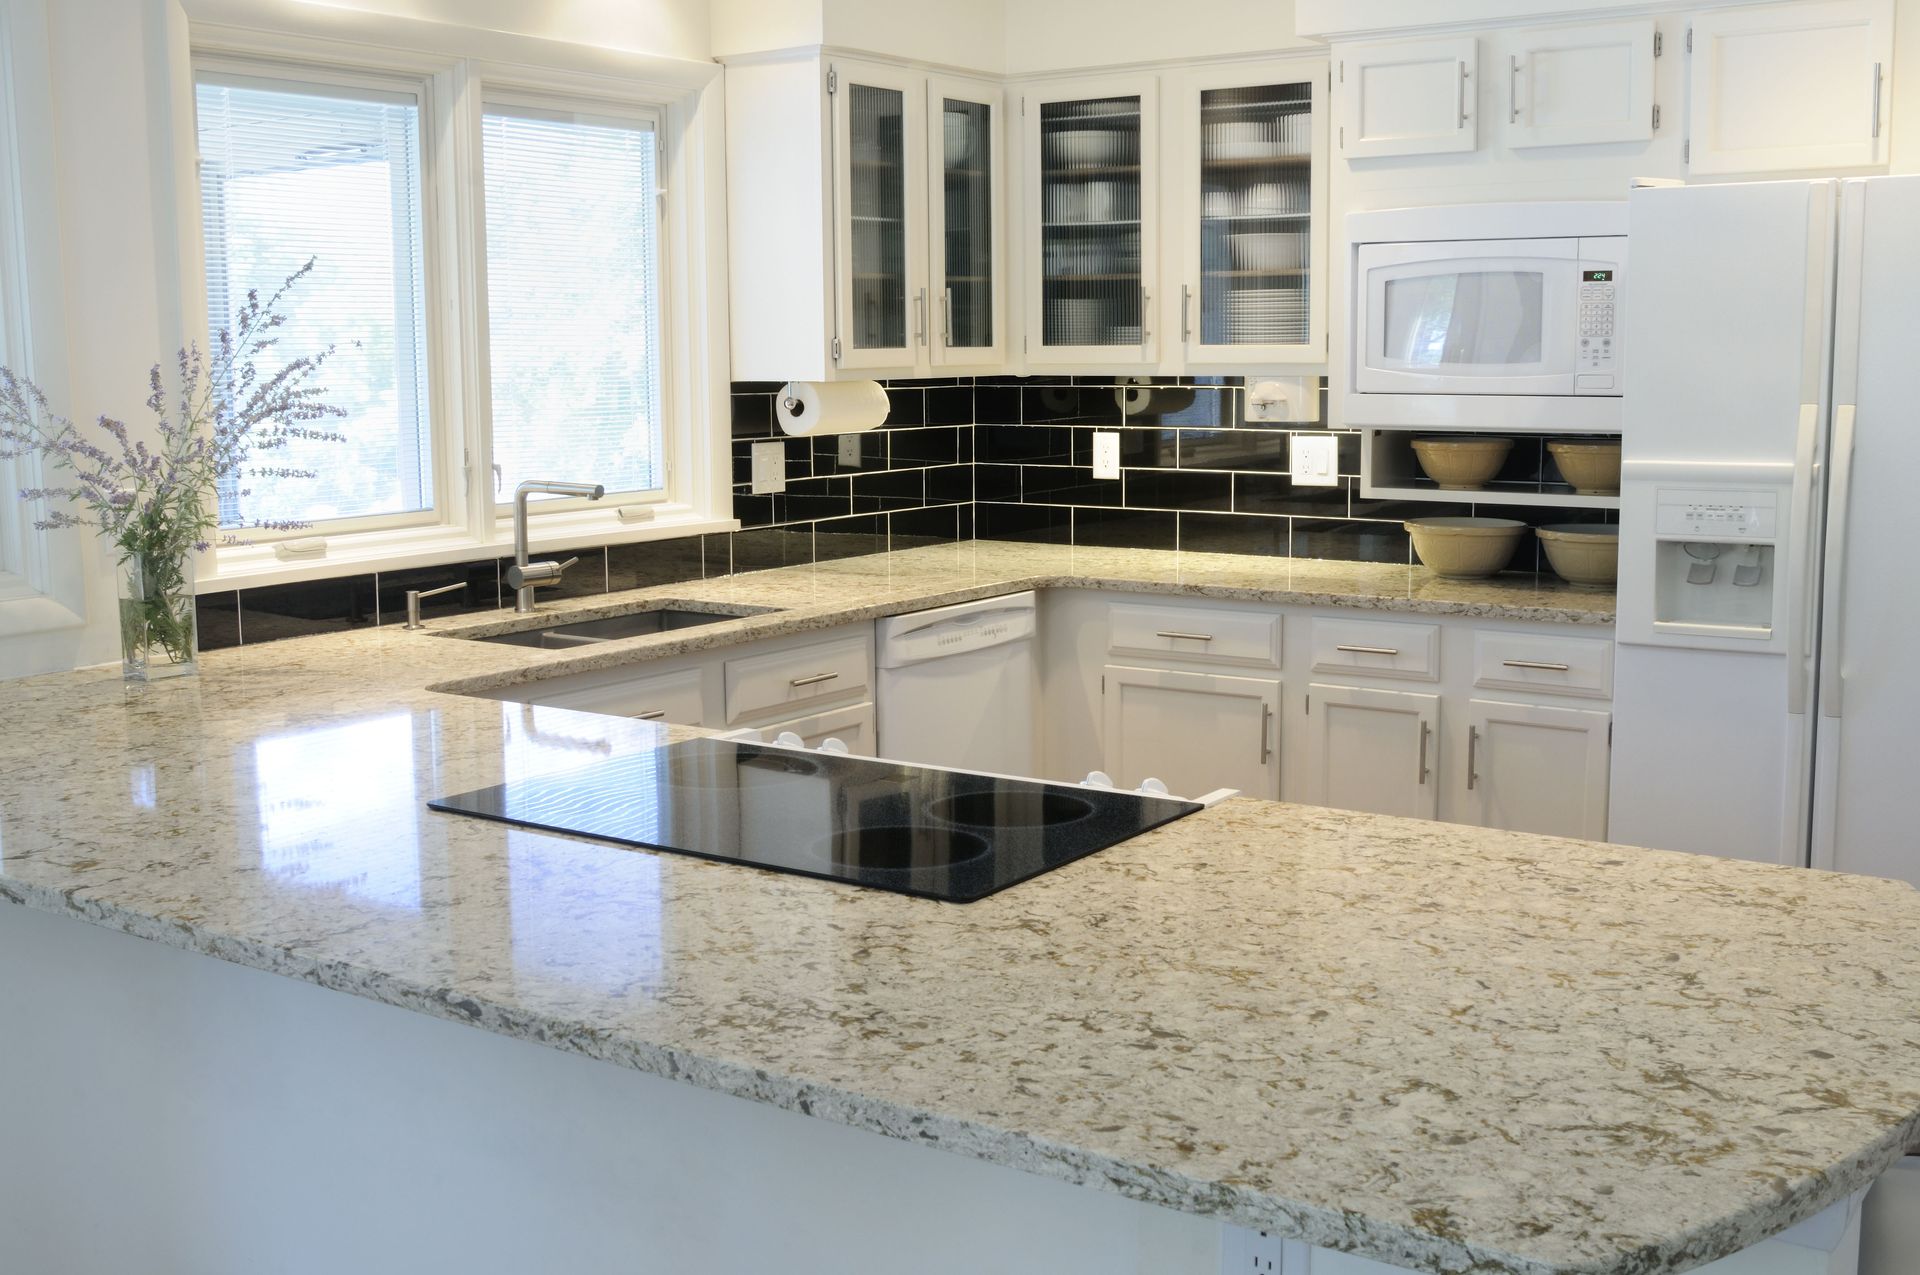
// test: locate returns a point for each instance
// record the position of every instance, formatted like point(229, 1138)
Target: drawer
point(664, 697)
point(782, 680)
point(1195, 633)
point(1377, 648)
point(1544, 662)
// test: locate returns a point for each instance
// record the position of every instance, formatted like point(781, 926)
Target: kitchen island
point(1437, 1047)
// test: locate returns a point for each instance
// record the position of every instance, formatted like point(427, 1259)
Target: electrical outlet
point(1249, 1252)
point(769, 467)
point(1314, 460)
point(850, 450)
point(1106, 453)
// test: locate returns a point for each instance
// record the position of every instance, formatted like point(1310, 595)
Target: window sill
point(254, 566)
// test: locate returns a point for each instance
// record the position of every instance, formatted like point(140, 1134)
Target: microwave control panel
point(1596, 367)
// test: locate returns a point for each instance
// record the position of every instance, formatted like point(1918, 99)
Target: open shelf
point(1390, 471)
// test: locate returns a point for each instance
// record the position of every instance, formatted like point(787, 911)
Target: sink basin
point(612, 628)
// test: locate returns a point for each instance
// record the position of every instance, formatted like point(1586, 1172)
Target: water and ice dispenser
point(1714, 560)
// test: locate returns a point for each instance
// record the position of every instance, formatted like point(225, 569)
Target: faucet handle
point(536, 573)
point(562, 566)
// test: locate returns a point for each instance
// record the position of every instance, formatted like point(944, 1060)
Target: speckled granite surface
point(1445, 1048)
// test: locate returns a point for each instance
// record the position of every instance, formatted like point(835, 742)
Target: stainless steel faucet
point(523, 576)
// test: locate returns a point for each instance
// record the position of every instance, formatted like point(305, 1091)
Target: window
point(572, 267)
point(290, 172)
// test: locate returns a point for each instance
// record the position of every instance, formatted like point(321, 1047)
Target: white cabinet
point(852, 726)
point(1245, 166)
point(1373, 750)
point(1194, 731)
point(966, 213)
point(1786, 87)
point(1413, 97)
point(880, 221)
point(1576, 85)
point(1091, 217)
point(678, 697)
point(1534, 768)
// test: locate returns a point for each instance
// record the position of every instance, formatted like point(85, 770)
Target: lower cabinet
point(678, 697)
point(1373, 750)
point(852, 726)
point(1194, 732)
point(1535, 768)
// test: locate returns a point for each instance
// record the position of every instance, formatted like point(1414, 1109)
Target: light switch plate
point(1106, 453)
point(1314, 460)
point(769, 467)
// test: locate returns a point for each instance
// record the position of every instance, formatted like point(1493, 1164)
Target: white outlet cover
point(1314, 460)
point(769, 467)
point(1106, 453)
point(850, 450)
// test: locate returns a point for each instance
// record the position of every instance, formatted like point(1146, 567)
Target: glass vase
point(159, 638)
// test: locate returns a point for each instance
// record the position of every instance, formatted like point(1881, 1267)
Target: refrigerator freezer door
point(1869, 710)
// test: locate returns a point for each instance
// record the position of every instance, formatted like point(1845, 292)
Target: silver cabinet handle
point(1426, 729)
point(1186, 325)
point(651, 715)
point(1266, 733)
point(946, 315)
point(812, 679)
point(1473, 748)
point(1513, 88)
point(1146, 328)
point(1547, 665)
point(1369, 650)
point(1190, 637)
point(920, 317)
point(1876, 99)
point(1463, 93)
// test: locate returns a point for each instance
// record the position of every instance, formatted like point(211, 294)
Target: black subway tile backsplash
point(1178, 489)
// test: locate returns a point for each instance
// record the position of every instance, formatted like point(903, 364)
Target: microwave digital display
point(1596, 276)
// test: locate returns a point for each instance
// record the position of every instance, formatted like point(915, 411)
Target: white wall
point(1046, 35)
point(667, 28)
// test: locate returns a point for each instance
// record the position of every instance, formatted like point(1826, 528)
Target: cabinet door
point(1249, 165)
point(1092, 208)
point(1373, 750)
point(1789, 86)
point(852, 726)
point(1570, 86)
point(1195, 732)
point(1536, 769)
point(966, 215)
point(879, 187)
point(1415, 97)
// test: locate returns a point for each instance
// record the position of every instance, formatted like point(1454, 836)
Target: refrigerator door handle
point(1840, 485)
point(1799, 613)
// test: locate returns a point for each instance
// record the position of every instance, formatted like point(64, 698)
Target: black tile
point(1349, 447)
point(906, 405)
point(1065, 485)
point(742, 465)
point(1125, 528)
point(1030, 444)
point(655, 562)
point(1350, 541)
point(870, 452)
point(889, 489)
point(1141, 448)
point(311, 606)
point(806, 506)
point(716, 554)
point(994, 482)
point(1234, 381)
point(1187, 405)
point(752, 510)
point(1046, 524)
point(1234, 533)
point(849, 537)
point(758, 387)
point(918, 448)
point(753, 416)
point(1527, 464)
point(995, 405)
point(800, 458)
point(969, 521)
point(1370, 507)
point(911, 528)
point(773, 547)
point(965, 436)
point(482, 590)
point(1248, 449)
point(217, 620)
point(1066, 404)
point(950, 484)
point(1178, 489)
point(584, 579)
point(950, 405)
point(1278, 494)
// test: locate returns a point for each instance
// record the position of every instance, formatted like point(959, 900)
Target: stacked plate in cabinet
point(1276, 315)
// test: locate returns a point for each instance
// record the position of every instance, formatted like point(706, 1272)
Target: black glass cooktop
point(939, 834)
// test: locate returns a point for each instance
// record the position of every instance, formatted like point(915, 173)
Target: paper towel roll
point(1143, 398)
point(806, 408)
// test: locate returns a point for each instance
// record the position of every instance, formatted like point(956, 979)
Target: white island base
point(173, 1114)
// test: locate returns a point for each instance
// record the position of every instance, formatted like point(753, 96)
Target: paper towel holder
point(790, 401)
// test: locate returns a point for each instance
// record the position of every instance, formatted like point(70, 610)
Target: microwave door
point(1469, 318)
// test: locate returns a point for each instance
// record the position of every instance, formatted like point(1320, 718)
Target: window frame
point(463, 74)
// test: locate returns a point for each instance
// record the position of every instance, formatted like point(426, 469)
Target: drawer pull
point(1369, 650)
point(1426, 729)
point(651, 715)
point(812, 679)
point(1546, 665)
point(1266, 733)
point(1473, 759)
point(1189, 637)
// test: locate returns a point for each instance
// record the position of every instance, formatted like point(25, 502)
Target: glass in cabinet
point(882, 298)
point(964, 221)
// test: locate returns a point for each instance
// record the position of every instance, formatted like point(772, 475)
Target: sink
point(612, 628)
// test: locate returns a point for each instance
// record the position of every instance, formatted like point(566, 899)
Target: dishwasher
point(957, 686)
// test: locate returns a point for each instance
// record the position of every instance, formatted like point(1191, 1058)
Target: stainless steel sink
point(614, 627)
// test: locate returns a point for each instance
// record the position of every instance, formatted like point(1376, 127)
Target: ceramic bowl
point(1592, 467)
point(1465, 548)
point(1267, 251)
point(1461, 464)
point(1585, 555)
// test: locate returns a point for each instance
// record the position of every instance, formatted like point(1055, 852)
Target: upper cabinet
point(1569, 86)
point(966, 214)
point(1789, 87)
point(880, 221)
point(1410, 97)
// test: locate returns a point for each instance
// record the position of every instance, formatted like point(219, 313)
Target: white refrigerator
point(1767, 667)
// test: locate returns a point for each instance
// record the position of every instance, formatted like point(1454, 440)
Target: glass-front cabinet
point(880, 228)
point(965, 215)
point(1252, 234)
point(1092, 203)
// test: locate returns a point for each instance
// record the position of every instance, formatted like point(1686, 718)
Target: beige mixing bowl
point(1592, 467)
point(1585, 555)
point(1465, 548)
point(1461, 464)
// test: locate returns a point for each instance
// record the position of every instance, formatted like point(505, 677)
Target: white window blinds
point(289, 172)
point(573, 299)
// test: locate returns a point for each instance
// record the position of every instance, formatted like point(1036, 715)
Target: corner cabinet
point(1194, 732)
point(1537, 768)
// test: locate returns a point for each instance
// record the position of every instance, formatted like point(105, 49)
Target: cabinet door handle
point(1876, 99)
point(1146, 328)
point(1463, 92)
point(1189, 637)
point(812, 679)
point(1186, 325)
point(1426, 729)
point(920, 317)
point(1513, 88)
point(1369, 650)
point(1547, 665)
point(946, 315)
point(651, 715)
point(1266, 733)
point(1473, 749)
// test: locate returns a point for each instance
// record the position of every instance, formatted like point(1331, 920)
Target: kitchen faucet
point(524, 576)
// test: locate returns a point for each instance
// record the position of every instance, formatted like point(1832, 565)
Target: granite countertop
point(1443, 1047)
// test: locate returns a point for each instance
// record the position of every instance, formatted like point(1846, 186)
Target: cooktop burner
point(939, 834)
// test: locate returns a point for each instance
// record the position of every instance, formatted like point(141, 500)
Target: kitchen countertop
point(1443, 1047)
